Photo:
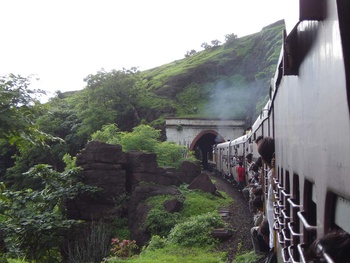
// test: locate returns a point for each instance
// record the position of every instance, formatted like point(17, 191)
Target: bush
point(196, 231)
point(156, 242)
point(160, 222)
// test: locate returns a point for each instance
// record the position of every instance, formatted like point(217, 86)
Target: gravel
point(240, 220)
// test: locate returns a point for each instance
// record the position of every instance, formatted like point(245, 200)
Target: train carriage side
point(311, 127)
point(238, 146)
point(222, 164)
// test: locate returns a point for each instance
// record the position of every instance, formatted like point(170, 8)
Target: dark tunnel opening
point(203, 148)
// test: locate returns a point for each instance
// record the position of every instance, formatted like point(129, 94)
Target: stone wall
point(135, 174)
point(117, 173)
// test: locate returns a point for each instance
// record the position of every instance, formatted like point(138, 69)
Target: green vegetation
point(187, 237)
point(168, 153)
point(174, 253)
point(247, 257)
point(197, 202)
point(39, 143)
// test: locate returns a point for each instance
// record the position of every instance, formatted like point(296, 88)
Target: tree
point(190, 53)
point(110, 97)
point(19, 107)
point(206, 46)
point(215, 42)
point(33, 220)
point(230, 38)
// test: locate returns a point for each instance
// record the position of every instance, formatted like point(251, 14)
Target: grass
point(174, 253)
point(198, 202)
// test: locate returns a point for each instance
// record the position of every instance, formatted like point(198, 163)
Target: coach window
point(295, 224)
point(287, 210)
point(312, 10)
point(310, 210)
point(337, 212)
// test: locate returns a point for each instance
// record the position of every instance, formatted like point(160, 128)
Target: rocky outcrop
point(136, 174)
point(102, 168)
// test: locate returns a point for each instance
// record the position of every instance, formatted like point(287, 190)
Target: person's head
point(249, 157)
point(266, 149)
point(240, 163)
point(258, 191)
point(335, 244)
point(264, 230)
point(255, 168)
point(259, 162)
point(258, 139)
point(258, 203)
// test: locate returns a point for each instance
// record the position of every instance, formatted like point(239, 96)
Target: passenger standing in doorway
point(241, 176)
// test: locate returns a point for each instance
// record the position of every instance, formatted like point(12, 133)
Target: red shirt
point(241, 174)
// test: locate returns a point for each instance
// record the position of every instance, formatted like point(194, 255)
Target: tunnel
point(202, 146)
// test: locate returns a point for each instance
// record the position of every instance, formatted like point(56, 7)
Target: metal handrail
point(306, 224)
point(294, 205)
point(284, 235)
point(284, 193)
point(291, 254)
point(294, 234)
point(284, 214)
point(284, 254)
point(325, 255)
point(280, 240)
point(301, 252)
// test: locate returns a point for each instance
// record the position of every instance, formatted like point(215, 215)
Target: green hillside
point(225, 81)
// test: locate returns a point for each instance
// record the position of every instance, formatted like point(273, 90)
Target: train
point(307, 114)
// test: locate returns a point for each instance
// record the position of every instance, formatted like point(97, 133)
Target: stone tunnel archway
point(202, 145)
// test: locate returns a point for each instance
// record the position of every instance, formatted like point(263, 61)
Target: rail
point(306, 224)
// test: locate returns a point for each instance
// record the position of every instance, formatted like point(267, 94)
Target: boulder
point(173, 205)
point(189, 171)
point(203, 182)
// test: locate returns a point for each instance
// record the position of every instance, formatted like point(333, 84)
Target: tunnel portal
point(200, 135)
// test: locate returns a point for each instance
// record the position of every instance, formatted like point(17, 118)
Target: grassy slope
point(233, 76)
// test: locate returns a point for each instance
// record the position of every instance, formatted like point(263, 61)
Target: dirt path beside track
point(240, 220)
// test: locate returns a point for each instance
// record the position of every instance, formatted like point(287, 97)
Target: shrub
point(124, 249)
point(156, 242)
point(196, 231)
point(160, 222)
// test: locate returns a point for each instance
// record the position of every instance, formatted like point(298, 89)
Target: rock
point(173, 205)
point(221, 233)
point(99, 152)
point(203, 182)
point(189, 171)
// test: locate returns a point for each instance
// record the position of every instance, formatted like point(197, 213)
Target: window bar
point(325, 255)
point(291, 254)
point(301, 252)
point(307, 226)
point(284, 258)
point(294, 234)
point(280, 238)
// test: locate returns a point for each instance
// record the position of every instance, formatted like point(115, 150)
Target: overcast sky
point(62, 42)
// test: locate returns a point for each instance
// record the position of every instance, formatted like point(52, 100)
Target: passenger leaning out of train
point(266, 149)
point(249, 165)
point(252, 183)
point(334, 245)
point(241, 176)
point(260, 237)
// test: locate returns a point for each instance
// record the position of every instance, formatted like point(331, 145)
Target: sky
point(62, 42)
